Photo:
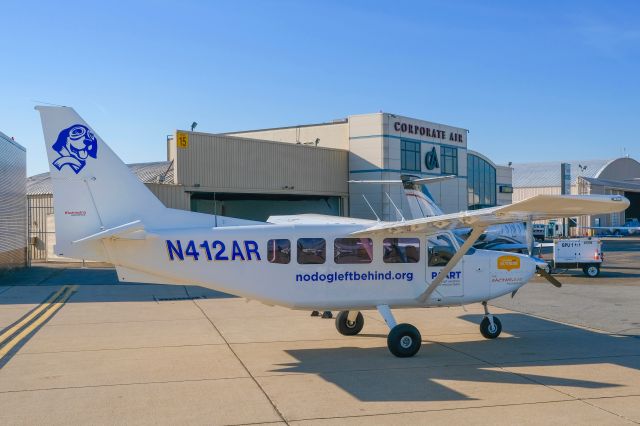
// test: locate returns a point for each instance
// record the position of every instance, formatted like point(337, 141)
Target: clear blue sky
point(532, 80)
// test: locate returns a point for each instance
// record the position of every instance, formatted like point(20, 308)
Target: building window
point(312, 250)
point(279, 251)
point(401, 250)
point(352, 250)
point(410, 155)
point(449, 160)
point(481, 183)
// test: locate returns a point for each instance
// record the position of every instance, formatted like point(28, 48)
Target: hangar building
point(253, 174)
point(613, 176)
point(13, 202)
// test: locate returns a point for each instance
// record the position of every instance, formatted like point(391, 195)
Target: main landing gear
point(403, 340)
point(490, 326)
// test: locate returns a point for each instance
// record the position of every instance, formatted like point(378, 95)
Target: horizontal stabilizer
point(540, 207)
point(130, 231)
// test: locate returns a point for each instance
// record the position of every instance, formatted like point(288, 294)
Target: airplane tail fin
point(421, 203)
point(94, 191)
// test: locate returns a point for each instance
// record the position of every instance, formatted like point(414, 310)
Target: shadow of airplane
point(107, 287)
point(372, 374)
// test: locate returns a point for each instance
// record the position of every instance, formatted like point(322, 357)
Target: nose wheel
point(490, 326)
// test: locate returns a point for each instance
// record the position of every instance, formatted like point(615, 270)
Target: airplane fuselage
point(325, 273)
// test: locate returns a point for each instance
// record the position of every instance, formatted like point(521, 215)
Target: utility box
point(574, 253)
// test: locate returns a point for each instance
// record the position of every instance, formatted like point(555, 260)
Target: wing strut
point(471, 239)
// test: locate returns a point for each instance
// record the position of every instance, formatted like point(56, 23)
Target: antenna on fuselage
point(396, 207)
point(372, 210)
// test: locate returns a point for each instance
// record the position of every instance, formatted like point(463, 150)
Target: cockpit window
point(401, 250)
point(461, 241)
point(441, 250)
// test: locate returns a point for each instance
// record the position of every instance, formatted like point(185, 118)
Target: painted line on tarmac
point(41, 314)
point(43, 306)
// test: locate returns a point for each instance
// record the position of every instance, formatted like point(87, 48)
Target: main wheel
point(490, 331)
point(591, 271)
point(404, 340)
point(346, 327)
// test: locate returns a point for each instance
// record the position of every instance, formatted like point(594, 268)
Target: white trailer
point(575, 253)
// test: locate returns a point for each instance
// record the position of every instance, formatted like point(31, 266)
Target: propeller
point(547, 276)
point(542, 268)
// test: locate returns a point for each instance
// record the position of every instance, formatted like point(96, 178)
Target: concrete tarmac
point(155, 354)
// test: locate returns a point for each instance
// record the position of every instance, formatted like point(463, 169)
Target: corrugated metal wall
point(231, 164)
point(13, 204)
point(520, 194)
point(172, 196)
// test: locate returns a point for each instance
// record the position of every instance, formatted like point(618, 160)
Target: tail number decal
point(216, 251)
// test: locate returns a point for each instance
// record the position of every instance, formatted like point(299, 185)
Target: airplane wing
point(539, 207)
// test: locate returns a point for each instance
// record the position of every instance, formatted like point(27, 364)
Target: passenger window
point(441, 250)
point(312, 250)
point(279, 251)
point(352, 250)
point(401, 250)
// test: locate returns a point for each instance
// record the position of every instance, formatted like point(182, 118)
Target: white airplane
point(104, 213)
point(631, 227)
point(422, 204)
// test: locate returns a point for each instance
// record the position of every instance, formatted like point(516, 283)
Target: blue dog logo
point(74, 145)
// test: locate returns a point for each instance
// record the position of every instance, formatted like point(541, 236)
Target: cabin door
point(440, 249)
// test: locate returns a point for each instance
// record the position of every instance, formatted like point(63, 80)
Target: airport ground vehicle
point(575, 253)
point(539, 231)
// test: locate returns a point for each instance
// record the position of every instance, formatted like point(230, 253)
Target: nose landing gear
point(490, 326)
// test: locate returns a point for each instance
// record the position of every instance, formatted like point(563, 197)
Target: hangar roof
point(535, 175)
point(146, 172)
point(632, 186)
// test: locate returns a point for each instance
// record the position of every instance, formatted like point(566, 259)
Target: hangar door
point(633, 211)
point(261, 206)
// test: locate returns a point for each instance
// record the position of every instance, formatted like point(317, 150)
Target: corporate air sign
point(425, 130)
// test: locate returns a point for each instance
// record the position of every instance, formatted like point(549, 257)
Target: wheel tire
point(489, 332)
point(591, 271)
point(404, 340)
point(349, 329)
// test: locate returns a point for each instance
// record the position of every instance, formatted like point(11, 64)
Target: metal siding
point(224, 163)
point(520, 194)
point(331, 135)
point(13, 204)
point(172, 196)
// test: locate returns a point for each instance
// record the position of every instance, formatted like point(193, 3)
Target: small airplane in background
point(104, 213)
point(509, 237)
point(631, 227)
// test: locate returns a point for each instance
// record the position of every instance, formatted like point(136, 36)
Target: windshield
point(461, 242)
